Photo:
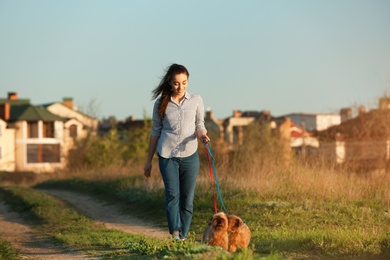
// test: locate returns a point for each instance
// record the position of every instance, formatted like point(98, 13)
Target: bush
point(115, 148)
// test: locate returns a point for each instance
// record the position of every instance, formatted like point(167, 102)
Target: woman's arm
point(201, 131)
point(151, 151)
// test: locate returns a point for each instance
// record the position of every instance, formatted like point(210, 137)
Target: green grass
point(294, 210)
point(6, 251)
point(58, 221)
point(293, 228)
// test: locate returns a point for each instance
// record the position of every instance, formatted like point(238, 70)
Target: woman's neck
point(178, 99)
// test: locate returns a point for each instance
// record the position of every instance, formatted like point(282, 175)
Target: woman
point(178, 120)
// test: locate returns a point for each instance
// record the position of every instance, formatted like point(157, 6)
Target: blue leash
point(208, 147)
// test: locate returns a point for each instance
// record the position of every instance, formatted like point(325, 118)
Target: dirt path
point(15, 229)
point(111, 215)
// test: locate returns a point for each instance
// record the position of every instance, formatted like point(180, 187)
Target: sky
point(290, 56)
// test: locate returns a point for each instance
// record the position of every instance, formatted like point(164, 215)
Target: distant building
point(362, 142)
point(66, 109)
point(314, 122)
point(234, 126)
point(32, 138)
point(214, 126)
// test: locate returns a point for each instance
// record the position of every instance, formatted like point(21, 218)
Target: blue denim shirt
point(177, 130)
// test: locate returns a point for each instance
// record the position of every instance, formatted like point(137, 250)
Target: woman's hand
point(205, 139)
point(147, 169)
point(202, 135)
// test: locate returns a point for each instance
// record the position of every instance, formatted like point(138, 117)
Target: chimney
point(5, 111)
point(12, 95)
point(237, 113)
point(130, 119)
point(384, 103)
point(362, 110)
point(209, 115)
point(345, 114)
point(266, 114)
point(68, 101)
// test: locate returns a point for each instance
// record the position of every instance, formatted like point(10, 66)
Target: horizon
point(354, 109)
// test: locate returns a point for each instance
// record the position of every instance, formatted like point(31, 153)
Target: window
point(40, 153)
point(48, 129)
point(32, 129)
point(32, 153)
point(73, 130)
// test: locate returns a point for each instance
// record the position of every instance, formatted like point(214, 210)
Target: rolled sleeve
point(200, 125)
point(157, 123)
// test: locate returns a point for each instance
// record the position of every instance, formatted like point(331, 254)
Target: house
point(362, 142)
point(124, 127)
point(234, 126)
point(77, 125)
point(32, 138)
point(302, 127)
point(37, 136)
point(315, 122)
point(133, 128)
point(66, 109)
point(7, 147)
point(296, 130)
point(284, 127)
point(131, 124)
point(302, 141)
point(214, 126)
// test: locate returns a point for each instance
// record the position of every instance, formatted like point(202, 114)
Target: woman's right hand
point(147, 169)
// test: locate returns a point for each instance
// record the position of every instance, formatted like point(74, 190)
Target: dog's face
point(220, 221)
point(235, 223)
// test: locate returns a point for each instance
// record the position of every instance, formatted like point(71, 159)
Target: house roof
point(27, 112)
point(264, 114)
point(252, 114)
point(127, 125)
point(373, 125)
point(46, 105)
point(311, 114)
point(15, 102)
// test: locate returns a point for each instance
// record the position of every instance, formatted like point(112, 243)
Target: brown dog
point(215, 234)
point(240, 234)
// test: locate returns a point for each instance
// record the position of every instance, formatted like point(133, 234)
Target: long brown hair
point(165, 88)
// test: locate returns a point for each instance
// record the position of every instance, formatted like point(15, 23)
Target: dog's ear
point(238, 223)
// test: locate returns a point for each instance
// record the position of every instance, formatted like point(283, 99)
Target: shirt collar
point(187, 95)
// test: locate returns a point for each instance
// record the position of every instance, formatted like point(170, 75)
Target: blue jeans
point(179, 176)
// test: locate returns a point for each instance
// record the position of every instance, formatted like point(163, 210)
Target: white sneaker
point(175, 237)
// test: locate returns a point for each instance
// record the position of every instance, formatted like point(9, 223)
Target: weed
point(6, 251)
